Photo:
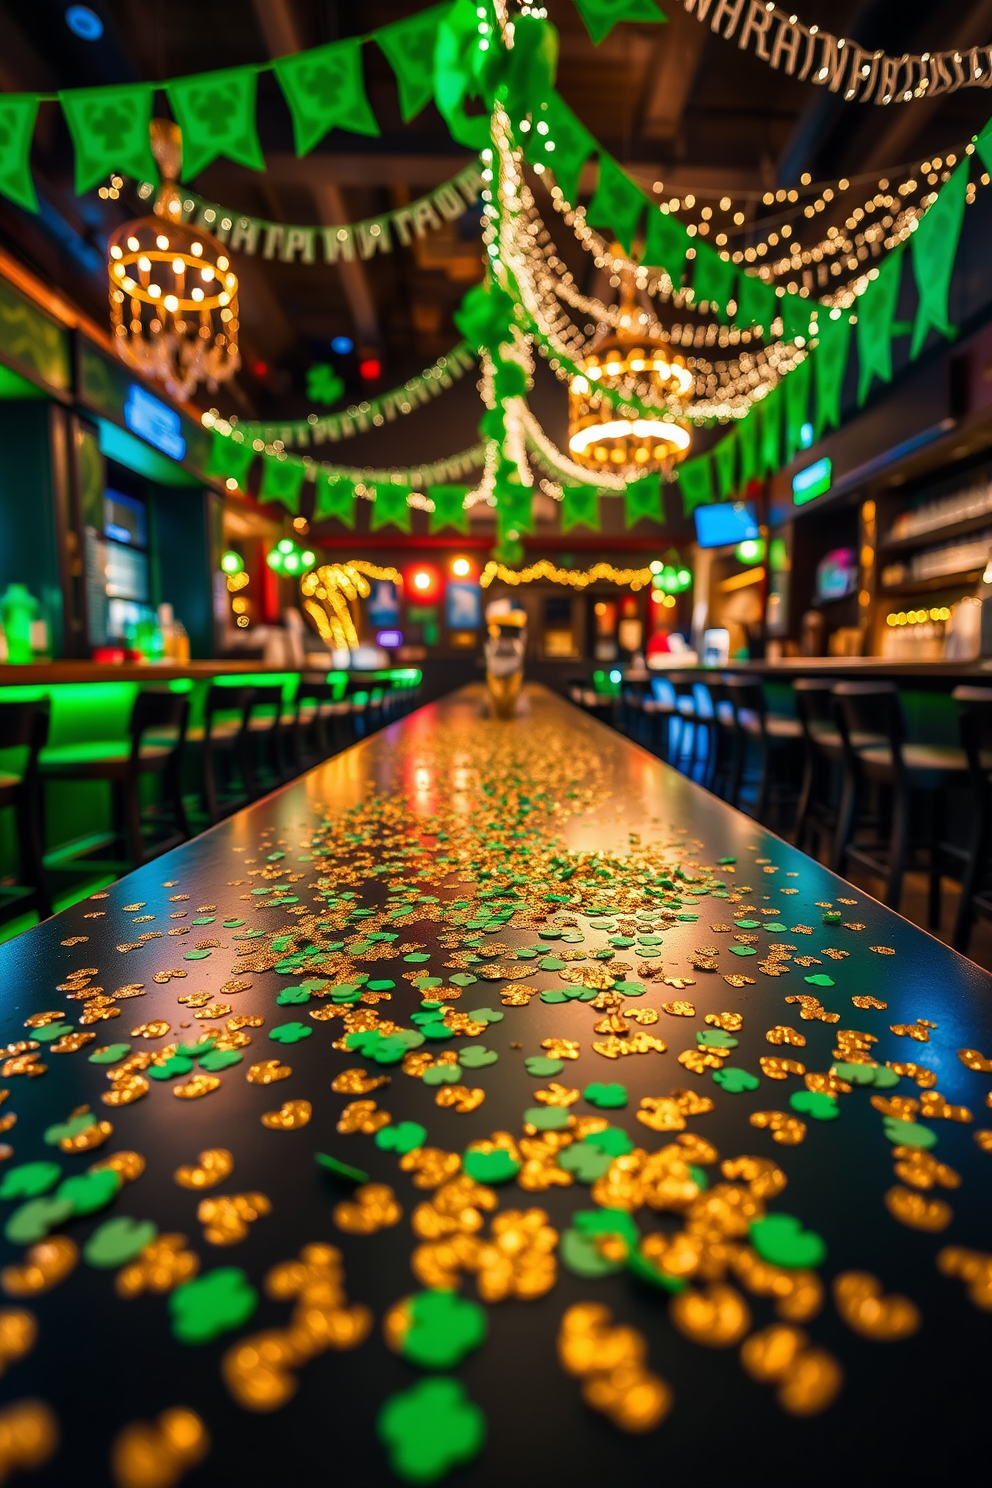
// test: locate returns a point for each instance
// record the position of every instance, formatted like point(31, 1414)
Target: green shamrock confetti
point(554, 994)
point(195, 955)
point(585, 1162)
point(64, 1130)
point(443, 1329)
point(715, 1038)
point(220, 1059)
point(430, 1429)
point(490, 1167)
point(109, 1054)
point(734, 1081)
point(210, 1305)
point(51, 1032)
point(547, 1118)
point(404, 1136)
point(613, 1140)
point(293, 996)
point(605, 1097)
point(542, 1068)
point(815, 1103)
point(32, 1221)
point(477, 1056)
point(781, 1240)
point(88, 1192)
point(820, 979)
point(118, 1241)
point(908, 1133)
point(630, 989)
point(29, 1180)
point(176, 1064)
point(442, 1074)
point(743, 950)
point(289, 1033)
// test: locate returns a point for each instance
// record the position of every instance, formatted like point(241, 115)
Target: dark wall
point(33, 503)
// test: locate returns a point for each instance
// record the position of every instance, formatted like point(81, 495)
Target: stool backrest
point(266, 703)
point(869, 713)
point(975, 722)
point(814, 705)
point(162, 713)
point(223, 701)
point(747, 694)
point(25, 726)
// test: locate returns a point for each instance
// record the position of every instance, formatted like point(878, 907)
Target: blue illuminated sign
point(155, 422)
point(812, 481)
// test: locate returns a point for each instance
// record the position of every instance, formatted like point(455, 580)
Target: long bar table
point(492, 1100)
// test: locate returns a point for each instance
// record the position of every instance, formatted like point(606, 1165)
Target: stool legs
point(31, 849)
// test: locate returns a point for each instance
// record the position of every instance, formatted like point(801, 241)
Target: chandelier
point(600, 437)
point(173, 293)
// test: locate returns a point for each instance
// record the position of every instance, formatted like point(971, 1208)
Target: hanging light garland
point(545, 572)
point(328, 592)
point(286, 558)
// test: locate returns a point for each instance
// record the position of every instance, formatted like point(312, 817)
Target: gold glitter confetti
point(212, 1166)
point(163, 1265)
point(372, 1208)
point(716, 1316)
point(460, 1098)
point(786, 1129)
point(267, 1071)
point(363, 1116)
point(859, 1298)
point(291, 1116)
point(43, 1267)
point(227, 1218)
point(912, 1209)
point(29, 1435)
point(200, 1084)
point(611, 1364)
point(157, 1455)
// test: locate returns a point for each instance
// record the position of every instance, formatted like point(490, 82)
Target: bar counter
point(576, 899)
point(936, 673)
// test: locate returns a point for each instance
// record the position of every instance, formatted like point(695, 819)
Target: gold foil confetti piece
point(200, 1084)
point(43, 1267)
point(557, 1095)
point(973, 1060)
point(661, 1113)
point(768, 1355)
point(716, 1316)
point(89, 1139)
point(912, 1209)
point(373, 1207)
point(920, 1169)
point(74, 940)
point(158, 1454)
point(236, 984)
point(779, 1069)
point(920, 1030)
point(29, 1436)
point(737, 979)
point(195, 999)
point(212, 1166)
point(155, 1030)
point(974, 1268)
point(267, 1071)
point(167, 976)
point(363, 1116)
point(783, 1034)
point(42, 1020)
point(133, 908)
point(698, 1061)
point(860, 1299)
point(983, 1138)
point(291, 1116)
point(357, 1082)
point(644, 1016)
point(811, 1384)
point(129, 1165)
point(936, 1107)
point(126, 1090)
point(460, 1098)
point(163, 1265)
point(679, 1009)
point(243, 1020)
point(560, 1048)
point(430, 1166)
point(227, 1218)
point(71, 1043)
point(213, 1010)
point(729, 1022)
point(786, 1129)
point(925, 1078)
point(98, 1011)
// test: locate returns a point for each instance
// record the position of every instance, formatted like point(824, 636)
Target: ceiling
point(678, 106)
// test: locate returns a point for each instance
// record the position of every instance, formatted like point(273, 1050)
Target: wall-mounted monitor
point(725, 524)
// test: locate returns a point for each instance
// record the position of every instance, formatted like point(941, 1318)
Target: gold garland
point(600, 573)
point(327, 590)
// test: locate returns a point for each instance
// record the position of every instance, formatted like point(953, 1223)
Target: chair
point(270, 727)
point(823, 753)
point(223, 737)
point(975, 722)
point(157, 730)
point(659, 707)
point(314, 697)
point(877, 754)
point(683, 685)
point(719, 721)
point(776, 737)
point(24, 726)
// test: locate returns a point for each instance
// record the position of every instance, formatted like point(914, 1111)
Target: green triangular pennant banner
point(600, 16)
point(579, 507)
point(390, 508)
point(797, 388)
point(230, 460)
point(109, 128)
point(876, 311)
point(325, 90)
point(770, 419)
point(617, 204)
point(756, 302)
point(795, 313)
point(18, 112)
point(725, 460)
point(712, 279)
point(829, 366)
point(696, 483)
point(665, 245)
point(216, 113)
point(409, 47)
point(449, 508)
point(334, 498)
point(573, 144)
point(747, 439)
point(642, 498)
point(514, 507)
point(934, 244)
point(282, 481)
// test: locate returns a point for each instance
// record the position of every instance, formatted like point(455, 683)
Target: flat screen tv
point(725, 523)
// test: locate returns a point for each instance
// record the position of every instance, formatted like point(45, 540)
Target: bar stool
point(684, 742)
point(223, 738)
point(313, 697)
point(975, 722)
point(659, 707)
point(823, 754)
point(157, 731)
point(876, 753)
point(722, 740)
point(775, 735)
point(269, 727)
point(24, 726)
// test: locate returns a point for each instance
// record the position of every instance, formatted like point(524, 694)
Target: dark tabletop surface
point(521, 807)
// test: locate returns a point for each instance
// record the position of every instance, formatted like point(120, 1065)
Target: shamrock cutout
point(748, 924)
point(290, 1033)
point(820, 979)
point(715, 1038)
point(203, 920)
point(118, 1241)
point(109, 1053)
point(547, 1118)
point(551, 963)
point(198, 1049)
point(734, 1080)
point(416, 958)
point(554, 994)
point(382, 985)
point(323, 384)
point(541, 1067)
point(815, 1103)
point(404, 1137)
point(89, 1192)
point(855, 1074)
point(29, 1180)
point(346, 992)
point(442, 1074)
point(613, 1140)
point(477, 1056)
point(490, 1167)
point(586, 1163)
point(781, 1240)
point(112, 122)
point(884, 1078)
point(212, 1304)
point(176, 1064)
point(463, 979)
point(233, 924)
point(908, 1133)
point(294, 996)
point(430, 1429)
point(393, 1047)
point(605, 1097)
point(435, 1030)
point(340, 1169)
point(51, 1032)
point(443, 1328)
point(742, 950)
point(220, 1059)
point(32, 1221)
point(64, 1130)
point(195, 955)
